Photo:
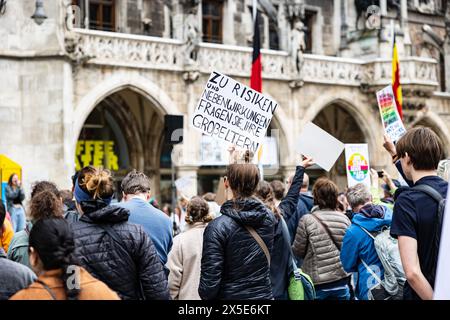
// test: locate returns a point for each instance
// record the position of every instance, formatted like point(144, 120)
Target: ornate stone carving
point(298, 46)
point(105, 48)
point(193, 34)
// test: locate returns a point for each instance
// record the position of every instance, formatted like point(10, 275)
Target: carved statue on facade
point(193, 33)
point(298, 45)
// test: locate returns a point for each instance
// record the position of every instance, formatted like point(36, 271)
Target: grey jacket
point(12, 194)
point(13, 277)
point(321, 257)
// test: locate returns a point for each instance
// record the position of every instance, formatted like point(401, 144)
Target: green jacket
point(18, 248)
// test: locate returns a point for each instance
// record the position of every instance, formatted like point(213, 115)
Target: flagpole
point(255, 4)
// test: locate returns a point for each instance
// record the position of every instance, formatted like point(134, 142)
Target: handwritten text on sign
point(392, 123)
point(233, 112)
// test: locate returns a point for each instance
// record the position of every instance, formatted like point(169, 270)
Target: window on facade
point(101, 13)
point(212, 13)
point(309, 23)
point(274, 43)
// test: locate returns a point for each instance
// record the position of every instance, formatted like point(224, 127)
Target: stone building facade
point(106, 72)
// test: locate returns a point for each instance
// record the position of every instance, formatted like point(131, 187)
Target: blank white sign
point(320, 145)
point(442, 283)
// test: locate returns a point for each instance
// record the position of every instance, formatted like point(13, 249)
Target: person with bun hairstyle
point(281, 266)
point(52, 257)
point(184, 259)
point(117, 252)
point(236, 246)
point(45, 203)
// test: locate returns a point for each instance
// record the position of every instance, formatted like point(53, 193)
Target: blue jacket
point(155, 223)
point(358, 245)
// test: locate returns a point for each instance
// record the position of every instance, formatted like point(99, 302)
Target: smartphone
point(380, 174)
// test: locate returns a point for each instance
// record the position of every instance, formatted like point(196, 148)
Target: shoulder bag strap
point(47, 288)
point(327, 230)
point(433, 193)
point(430, 191)
point(374, 275)
point(365, 230)
point(287, 238)
point(260, 241)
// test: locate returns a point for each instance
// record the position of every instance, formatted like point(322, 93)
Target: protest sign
point(320, 145)
point(185, 186)
point(357, 164)
point(233, 112)
point(442, 282)
point(393, 125)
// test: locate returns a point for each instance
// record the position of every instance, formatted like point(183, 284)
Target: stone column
point(287, 171)
point(229, 10)
point(383, 7)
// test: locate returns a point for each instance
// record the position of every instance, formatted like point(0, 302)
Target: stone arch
point(118, 82)
point(435, 123)
point(369, 125)
point(369, 129)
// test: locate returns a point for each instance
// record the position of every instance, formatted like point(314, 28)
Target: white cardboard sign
point(320, 145)
point(357, 164)
point(393, 125)
point(185, 185)
point(233, 112)
point(442, 282)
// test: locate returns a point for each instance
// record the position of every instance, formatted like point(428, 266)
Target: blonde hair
point(98, 182)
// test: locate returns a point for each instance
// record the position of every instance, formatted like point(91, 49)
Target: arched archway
point(340, 120)
point(124, 116)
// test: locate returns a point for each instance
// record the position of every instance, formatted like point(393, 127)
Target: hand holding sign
point(233, 112)
point(389, 145)
point(320, 145)
point(306, 162)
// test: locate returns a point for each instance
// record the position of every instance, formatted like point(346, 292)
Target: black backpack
point(437, 222)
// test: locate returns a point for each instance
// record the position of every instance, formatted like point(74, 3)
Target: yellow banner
point(97, 153)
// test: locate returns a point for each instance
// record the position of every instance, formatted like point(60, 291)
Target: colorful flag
point(396, 86)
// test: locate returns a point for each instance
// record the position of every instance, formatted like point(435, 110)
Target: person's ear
point(407, 158)
point(34, 258)
point(226, 183)
point(124, 196)
point(148, 196)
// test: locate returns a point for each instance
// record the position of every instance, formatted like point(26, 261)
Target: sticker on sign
point(233, 112)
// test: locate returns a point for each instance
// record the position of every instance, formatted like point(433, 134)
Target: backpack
point(394, 276)
point(430, 191)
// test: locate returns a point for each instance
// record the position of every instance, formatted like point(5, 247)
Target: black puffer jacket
point(100, 255)
point(233, 264)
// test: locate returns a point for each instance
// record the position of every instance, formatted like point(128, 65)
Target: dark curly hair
point(45, 204)
point(44, 185)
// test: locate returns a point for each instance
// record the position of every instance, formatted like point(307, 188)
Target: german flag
point(396, 86)
point(256, 77)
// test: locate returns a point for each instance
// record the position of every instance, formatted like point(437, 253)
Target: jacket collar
point(196, 225)
point(108, 214)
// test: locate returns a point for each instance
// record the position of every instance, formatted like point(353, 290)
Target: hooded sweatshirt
point(358, 246)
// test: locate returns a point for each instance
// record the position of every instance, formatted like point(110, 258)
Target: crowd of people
point(356, 244)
